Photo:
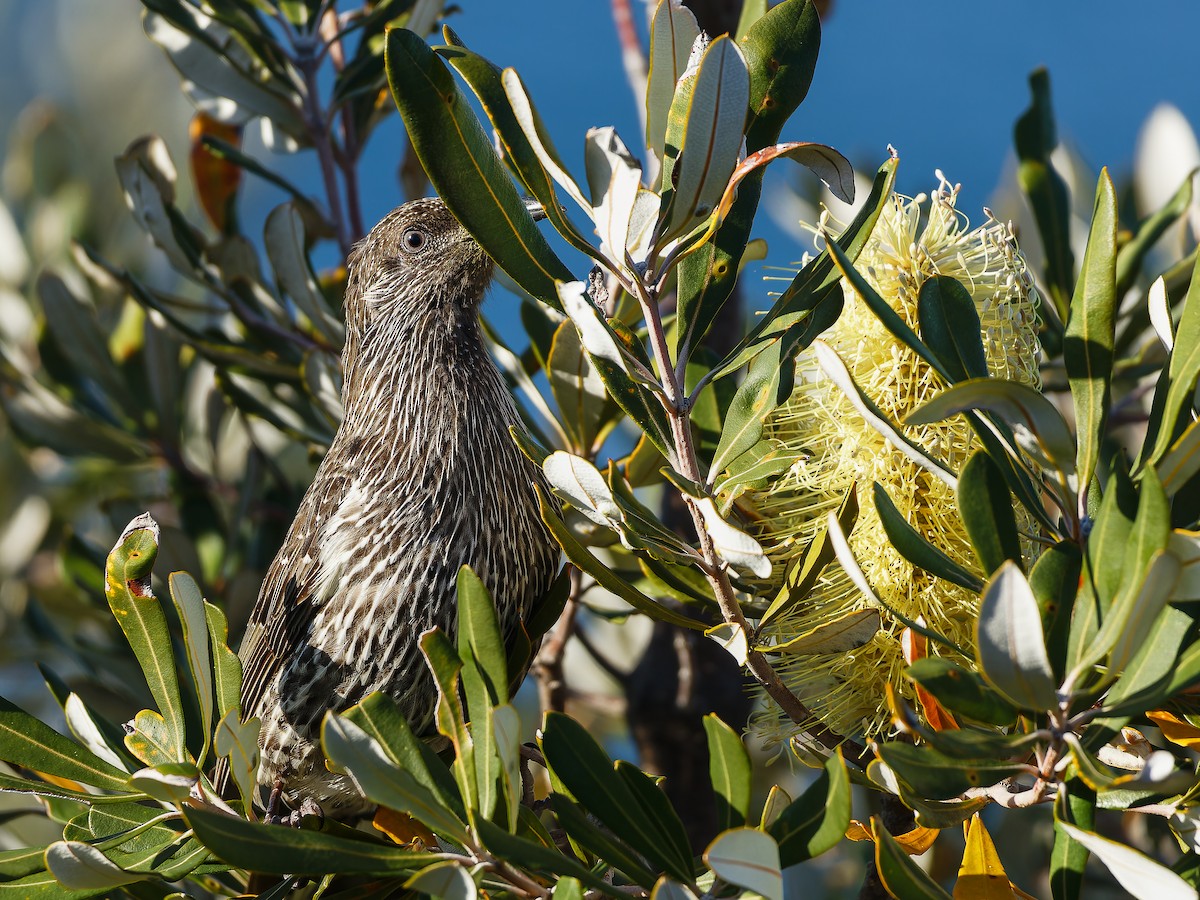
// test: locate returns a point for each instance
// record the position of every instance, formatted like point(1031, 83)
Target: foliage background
point(943, 84)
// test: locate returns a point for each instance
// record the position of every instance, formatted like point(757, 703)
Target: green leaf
point(950, 326)
point(900, 874)
point(1109, 539)
point(1088, 341)
point(587, 411)
point(541, 858)
point(1170, 414)
point(451, 719)
point(768, 384)
point(76, 330)
point(284, 241)
point(141, 617)
point(479, 635)
point(28, 742)
point(986, 510)
point(836, 371)
point(1055, 582)
point(939, 777)
point(1039, 427)
point(673, 30)
point(961, 691)
point(717, 98)
point(380, 717)
point(1010, 642)
point(446, 879)
point(238, 741)
point(914, 547)
point(527, 148)
point(655, 808)
point(781, 55)
point(1146, 235)
point(464, 168)
point(605, 577)
point(168, 783)
point(603, 843)
point(147, 177)
point(1075, 805)
point(735, 546)
point(485, 680)
point(1144, 878)
point(189, 606)
point(351, 750)
point(272, 850)
point(729, 769)
point(748, 858)
point(227, 668)
point(816, 820)
point(1047, 192)
point(586, 773)
point(1181, 463)
point(1145, 681)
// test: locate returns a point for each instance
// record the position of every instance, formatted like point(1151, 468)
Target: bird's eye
point(414, 240)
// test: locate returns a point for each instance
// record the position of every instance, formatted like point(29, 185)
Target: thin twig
point(548, 665)
point(314, 120)
point(600, 659)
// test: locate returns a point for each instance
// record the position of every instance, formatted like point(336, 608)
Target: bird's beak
point(535, 209)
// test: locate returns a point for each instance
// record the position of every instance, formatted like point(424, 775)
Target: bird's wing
point(289, 590)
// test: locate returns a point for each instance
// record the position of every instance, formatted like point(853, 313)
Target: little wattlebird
point(422, 478)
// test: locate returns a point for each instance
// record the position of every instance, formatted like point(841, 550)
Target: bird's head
point(417, 261)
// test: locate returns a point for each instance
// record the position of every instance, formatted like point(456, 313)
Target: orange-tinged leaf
point(916, 646)
point(914, 842)
point(858, 832)
point(217, 180)
point(403, 828)
point(981, 876)
point(1176, 730)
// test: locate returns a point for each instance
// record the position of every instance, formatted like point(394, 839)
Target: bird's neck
point(422, 376)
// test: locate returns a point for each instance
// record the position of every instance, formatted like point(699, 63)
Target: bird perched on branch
point(422, 478)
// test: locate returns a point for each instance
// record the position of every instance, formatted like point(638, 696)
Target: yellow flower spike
point(834, 450)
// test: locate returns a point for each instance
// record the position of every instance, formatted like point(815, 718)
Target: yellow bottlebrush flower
point(835, 450)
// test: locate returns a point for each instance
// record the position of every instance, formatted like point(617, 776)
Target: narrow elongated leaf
point(350, 749)
point(1088, 341)
point(716, 115)
point(816, 820)
point(586, 409)
point(584, 770)
point(1035, 138)
point(935, 776)
point(843, 634)
point(580, 483)
point(1074, 805)
point(464, 168)
point(28, 742)
point(673, 30)
point(768, 384)
point(914, 547)
point(986, 509)
point(581, 826)
point(813, 299)
point(485, 79)
point(189, 605)
point(283, 238)
point(729, 769)
point(835, 369)
point(227, 668)
point(1182, 373)
point(781, 55)
point(605, 576)
point(1143, 612)
point(1133, 252)
point(288, 851)
point(238, 741)
point(141, 617)
point(1141, 876)
point(1011, 645)
point(1038, 426)
point(479, 635)
point(735, 546)
point(950, 326)
point(447, 880)
point(961, 691)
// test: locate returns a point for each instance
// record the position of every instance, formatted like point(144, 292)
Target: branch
point(547, 666)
